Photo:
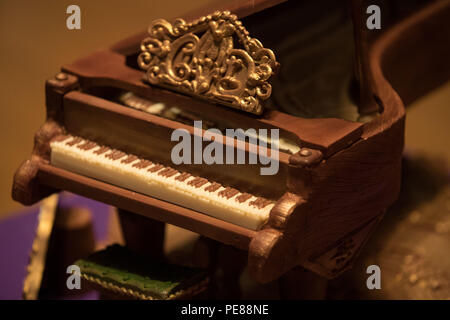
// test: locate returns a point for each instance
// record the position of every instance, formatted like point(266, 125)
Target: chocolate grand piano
point(110, 117)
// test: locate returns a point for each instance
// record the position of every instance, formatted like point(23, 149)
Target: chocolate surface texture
point(327, 197)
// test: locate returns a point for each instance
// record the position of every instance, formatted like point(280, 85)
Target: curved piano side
point(324, 228)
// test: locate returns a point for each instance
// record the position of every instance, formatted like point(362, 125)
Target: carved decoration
point(212, 57)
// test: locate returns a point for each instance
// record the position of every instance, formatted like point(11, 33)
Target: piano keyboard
point(165, 183)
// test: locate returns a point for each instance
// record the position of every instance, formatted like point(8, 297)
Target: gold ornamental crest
point(213, 58)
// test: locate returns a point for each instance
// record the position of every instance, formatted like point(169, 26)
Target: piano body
point(108, 137)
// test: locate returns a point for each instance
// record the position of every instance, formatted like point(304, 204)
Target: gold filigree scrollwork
point(201, 59)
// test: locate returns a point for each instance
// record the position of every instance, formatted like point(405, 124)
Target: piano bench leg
point(141, 234)
point(72, 238)
point(301, 284)
point(231, 263)
point(225, 265)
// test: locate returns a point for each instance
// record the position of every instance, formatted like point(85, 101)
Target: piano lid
point(212, 57)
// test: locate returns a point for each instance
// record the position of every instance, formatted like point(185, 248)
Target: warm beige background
point(428, 124)
point(34, 43)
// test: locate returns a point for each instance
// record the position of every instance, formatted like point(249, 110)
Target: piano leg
point(141, 234)
point(231, 262)
point(302, 284)
point(206, 256)
point(225, 265)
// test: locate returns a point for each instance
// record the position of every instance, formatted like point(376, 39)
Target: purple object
point(16, 238)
